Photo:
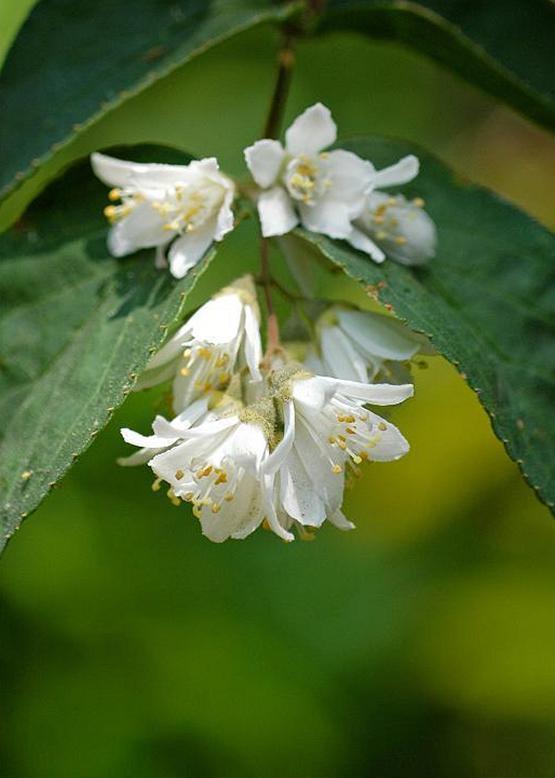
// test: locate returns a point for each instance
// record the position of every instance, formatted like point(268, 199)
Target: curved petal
point(300, 498)
point(339, 520)
point(311, 132)
point(378, 335)
point(340, 358)
point(189, 248)
point(225, 218)
point(362, 242)
point(145, 441)
point(375, 394)
point(268, 493)
point(276, 212)
point(264, 159)
point(253, 344)
point(121, 173)
point(274, 461)
point(400, 173)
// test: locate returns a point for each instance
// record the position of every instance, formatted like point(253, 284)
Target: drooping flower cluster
point(181, 209)
point(270, 442)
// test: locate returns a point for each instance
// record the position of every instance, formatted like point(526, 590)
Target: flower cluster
point(181, 209)
point(269, 441)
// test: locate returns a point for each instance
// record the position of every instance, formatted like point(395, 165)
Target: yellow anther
point(381, 235)
point(204, 353)
point(391, 201)
point(336, 469)
point(356, 459)
point(184, 371)
point(224, 378)
point(188, 497)
point(156, 485)
point(363, 455)
point(418, 202)
point(350, 431)
point(382, 426)
point(400, 240)
point(114, 194)
point(222, 478)
point(204, 472)
point(216, 508)
point(173, 498)
point(187, 353)
point(229, 496)
point(179, 475)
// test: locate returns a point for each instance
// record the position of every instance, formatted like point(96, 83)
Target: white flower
point(393, 225)
point(218, 471)
point(166, 433)
point(357, 345)
point(188, 206)
point(219, 339)
point(325, 427)
point(325, 191)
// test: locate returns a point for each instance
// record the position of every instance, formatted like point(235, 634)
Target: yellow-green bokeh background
point(421, 644)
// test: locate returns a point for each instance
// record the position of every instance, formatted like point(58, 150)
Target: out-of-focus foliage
point(420, 644)
point(475, 38)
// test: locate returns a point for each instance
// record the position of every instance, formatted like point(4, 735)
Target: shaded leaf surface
point(76, 326)
point(487, 301)
point(503, 46)
point(73, 62)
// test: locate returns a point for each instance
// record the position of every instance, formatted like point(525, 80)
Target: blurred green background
point(421, 643)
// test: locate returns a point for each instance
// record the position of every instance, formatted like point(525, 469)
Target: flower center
point(209, 486)
point(354, 435)
point(208, 366)
point(388, 219)
point(304, 179)
point(185, 209)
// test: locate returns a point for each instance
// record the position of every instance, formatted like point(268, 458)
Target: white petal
point(362, 242)
point(378, 336)
point(219, 320)
point(329, 217)
point(141, 229)
point(237, 518)
point(400, 173)
point(120, 173)
point(339, 520)
point(312, 392)
point(144, 441)
point(276, 212)
point(187, 250)
point(300, 497)
point(340, 358)
point(311, 132)
point(350, 177)
point(253, 344)
point(391, 444)
point(271, 513)
point(273, 462)
point(264, 159)
point(225, 218)
point(375, 394)
point(310, 444)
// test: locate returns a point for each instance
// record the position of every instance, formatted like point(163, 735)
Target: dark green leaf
point(75, 329)
point(505, 47)
point(487, 301)
point(74, 62)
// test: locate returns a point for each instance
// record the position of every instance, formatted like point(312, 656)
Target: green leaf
point(503, 46)
point(486, 301)
point(72, 64)
point(75, 329)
